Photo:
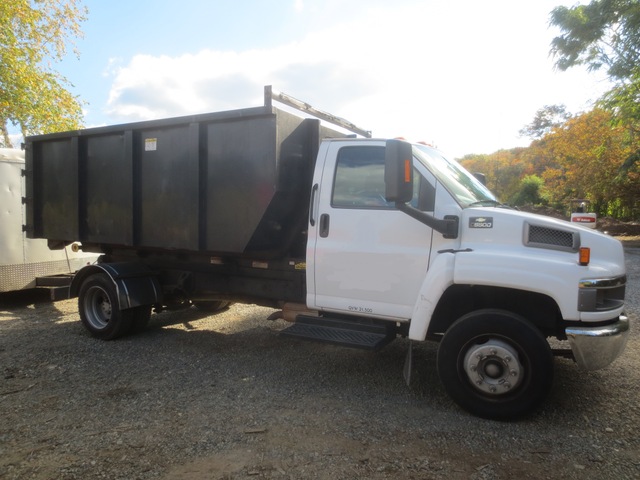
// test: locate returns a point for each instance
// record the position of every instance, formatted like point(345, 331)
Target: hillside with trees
point(592, 155)
point(582, 157)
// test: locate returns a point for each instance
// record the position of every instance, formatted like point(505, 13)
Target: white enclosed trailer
point(28, 263)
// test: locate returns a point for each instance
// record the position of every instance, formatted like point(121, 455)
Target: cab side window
point(359, 181)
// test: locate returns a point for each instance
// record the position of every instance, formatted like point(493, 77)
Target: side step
point(57, 285)
point(349, 333)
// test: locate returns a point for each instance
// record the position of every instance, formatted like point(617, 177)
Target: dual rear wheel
point(100, 312)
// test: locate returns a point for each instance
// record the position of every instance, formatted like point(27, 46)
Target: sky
point(464, 75)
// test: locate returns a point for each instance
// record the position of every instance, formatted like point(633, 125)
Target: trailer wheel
point(100, 309)
point(495, 364)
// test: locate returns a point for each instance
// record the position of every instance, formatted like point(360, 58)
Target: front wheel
point(100, 309)
point(495, 364)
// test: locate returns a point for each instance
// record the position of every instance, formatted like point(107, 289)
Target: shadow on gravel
point(28, 306)
point(23, 298)
point(183, 317)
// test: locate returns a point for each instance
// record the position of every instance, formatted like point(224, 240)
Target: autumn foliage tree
point(580, 158)
point(596, 154)
point(34, 34)
point(502, 169)
point(605, 35)
point(588, 153)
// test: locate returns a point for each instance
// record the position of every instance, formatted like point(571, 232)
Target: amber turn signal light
point(585, 256)
point(407, 171)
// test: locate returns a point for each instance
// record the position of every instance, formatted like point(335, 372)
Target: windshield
point(464, 187)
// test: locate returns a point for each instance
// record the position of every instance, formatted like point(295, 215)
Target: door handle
point(312, 206)
point(324, 225)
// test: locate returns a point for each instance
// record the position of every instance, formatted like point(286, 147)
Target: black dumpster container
point(223, 183)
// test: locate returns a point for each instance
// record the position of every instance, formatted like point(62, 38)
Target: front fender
point(438, 279)
point(553, 274)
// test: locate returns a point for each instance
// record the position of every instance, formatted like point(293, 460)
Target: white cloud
point(113, 65)
point(468, 85)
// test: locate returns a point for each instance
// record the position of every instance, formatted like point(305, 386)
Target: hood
point(512, 228)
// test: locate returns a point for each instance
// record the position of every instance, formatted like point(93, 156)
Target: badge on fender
point(481, 222)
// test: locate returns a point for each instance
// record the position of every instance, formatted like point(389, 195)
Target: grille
point(546, 237)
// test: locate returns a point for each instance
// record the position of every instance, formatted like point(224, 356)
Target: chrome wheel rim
point(493, 367)
point(98, 308)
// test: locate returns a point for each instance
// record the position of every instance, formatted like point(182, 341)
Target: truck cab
point(432, 249)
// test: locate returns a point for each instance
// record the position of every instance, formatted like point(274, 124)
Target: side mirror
point(481, 177)
point(398, 171)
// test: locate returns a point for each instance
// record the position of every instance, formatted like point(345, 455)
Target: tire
point(212, 306)
point(100, 309)
point(495, 364)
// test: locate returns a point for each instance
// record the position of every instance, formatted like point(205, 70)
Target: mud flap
point(408, 362)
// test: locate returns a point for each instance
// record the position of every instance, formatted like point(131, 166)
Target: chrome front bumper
point(596, 347)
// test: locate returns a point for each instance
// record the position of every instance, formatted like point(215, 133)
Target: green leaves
point(531, 192)
point(546, 119)
point(33, 35)
point(604, 33)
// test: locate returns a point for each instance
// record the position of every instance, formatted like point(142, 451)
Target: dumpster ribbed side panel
point(169, 188)
point(108, 189)
point(57, 189)
point(241, 176)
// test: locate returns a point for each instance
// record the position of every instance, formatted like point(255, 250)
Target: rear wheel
point(495, 364)
point(100, 309)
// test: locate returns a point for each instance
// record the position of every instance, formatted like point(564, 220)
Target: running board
point(57, 285)
point(347, 333)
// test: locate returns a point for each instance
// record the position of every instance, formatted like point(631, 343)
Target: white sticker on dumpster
point(150, 144)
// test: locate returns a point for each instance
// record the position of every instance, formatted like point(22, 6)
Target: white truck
point(26, 263)
point(356, 240)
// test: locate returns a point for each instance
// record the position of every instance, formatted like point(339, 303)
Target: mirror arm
point(448, 226)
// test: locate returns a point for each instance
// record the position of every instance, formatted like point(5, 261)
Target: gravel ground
point(223, 397)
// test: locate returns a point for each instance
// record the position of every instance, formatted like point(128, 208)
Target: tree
point(602, 34)
point(588, 152)
point(623, 101)
point(33, 96)
point(605, 34)
point(580, 158)
point(503, 170)
point(545, 120)
point(531, 191)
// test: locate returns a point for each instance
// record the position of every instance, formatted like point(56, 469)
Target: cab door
point(363, 256)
